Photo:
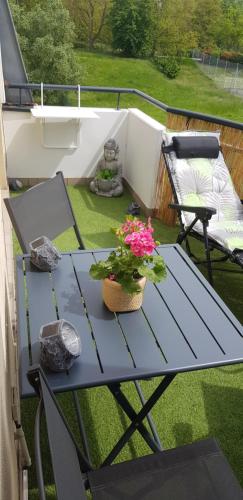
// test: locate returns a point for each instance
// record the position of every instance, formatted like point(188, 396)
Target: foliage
point(170, 27)
point(207, 19)
point(169, 65)
point(174, 32)
point(91, 20)
point(106, 174)
point(230, 30)
point(232, 56)
point(131, 23)
point(46, 35)
point(132, 259)
point(144, 27)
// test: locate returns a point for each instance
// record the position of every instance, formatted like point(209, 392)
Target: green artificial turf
point(192, 89)
point(196, 405)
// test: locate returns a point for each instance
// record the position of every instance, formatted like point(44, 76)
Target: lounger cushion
point(207, 182)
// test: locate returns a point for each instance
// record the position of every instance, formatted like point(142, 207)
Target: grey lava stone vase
point(60, 345)
point(43, 254)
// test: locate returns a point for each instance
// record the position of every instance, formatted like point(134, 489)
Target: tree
point(207, 20)
point(174, 34)
point(230, 33)
point(145, 26)
point(131, 24)
point(90, 18)
point(46, 35)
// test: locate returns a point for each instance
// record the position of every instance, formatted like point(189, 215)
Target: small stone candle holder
point(43, 254)
point(60, 345)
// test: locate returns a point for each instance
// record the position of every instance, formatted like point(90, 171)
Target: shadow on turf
point(183, 434)
point(103, 205)
point(224, 408)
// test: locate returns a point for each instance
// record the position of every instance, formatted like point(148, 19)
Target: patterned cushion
point(227, 233)
point(207, 182)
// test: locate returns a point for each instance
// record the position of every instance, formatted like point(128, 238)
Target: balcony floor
point(197, 405)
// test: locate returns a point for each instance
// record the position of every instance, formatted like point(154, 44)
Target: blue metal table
point(183, 325)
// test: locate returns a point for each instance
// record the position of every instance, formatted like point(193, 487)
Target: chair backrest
point(67, 459)
point(202, 181)
point(43, 210)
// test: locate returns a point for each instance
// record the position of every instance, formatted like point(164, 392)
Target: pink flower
point(141, 243)
point(149, 225)
point(132, 225)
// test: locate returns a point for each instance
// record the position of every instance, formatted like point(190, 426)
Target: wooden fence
point(232, 145)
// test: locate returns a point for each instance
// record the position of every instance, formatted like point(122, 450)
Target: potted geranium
point(125, 271)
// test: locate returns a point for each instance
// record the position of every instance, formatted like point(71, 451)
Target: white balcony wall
point(138, 136)
point(144, 135)
point(28, 158)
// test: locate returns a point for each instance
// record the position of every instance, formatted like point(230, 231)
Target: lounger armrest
point(201, 212)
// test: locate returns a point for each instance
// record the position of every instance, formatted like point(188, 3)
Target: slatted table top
point(183, 324)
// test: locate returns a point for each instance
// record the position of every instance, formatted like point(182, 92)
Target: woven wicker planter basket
point(119, 301)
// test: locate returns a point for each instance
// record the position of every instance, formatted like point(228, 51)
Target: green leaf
point(147, 273)
point(100, 271)
point(155, 273)
point(129, 285)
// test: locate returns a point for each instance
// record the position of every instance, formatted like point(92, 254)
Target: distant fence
point(226, 74)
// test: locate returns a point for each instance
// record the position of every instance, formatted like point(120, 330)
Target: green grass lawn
point(196, 405)
point(191, 90)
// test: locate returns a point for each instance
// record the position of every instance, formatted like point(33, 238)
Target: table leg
point(130, 412)
point(149, 417)
point(136, 418)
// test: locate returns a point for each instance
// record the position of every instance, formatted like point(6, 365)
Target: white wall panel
point(27, 157)
point(138, 136)
point(144, 136)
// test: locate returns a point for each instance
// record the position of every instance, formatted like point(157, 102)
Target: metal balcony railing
point(119, 91)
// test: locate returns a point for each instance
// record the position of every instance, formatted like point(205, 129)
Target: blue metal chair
point(198, 471)
point(43, 210)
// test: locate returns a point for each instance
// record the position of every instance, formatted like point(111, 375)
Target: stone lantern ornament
point(108, 176)
point(43, 254)
point(60, 345)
